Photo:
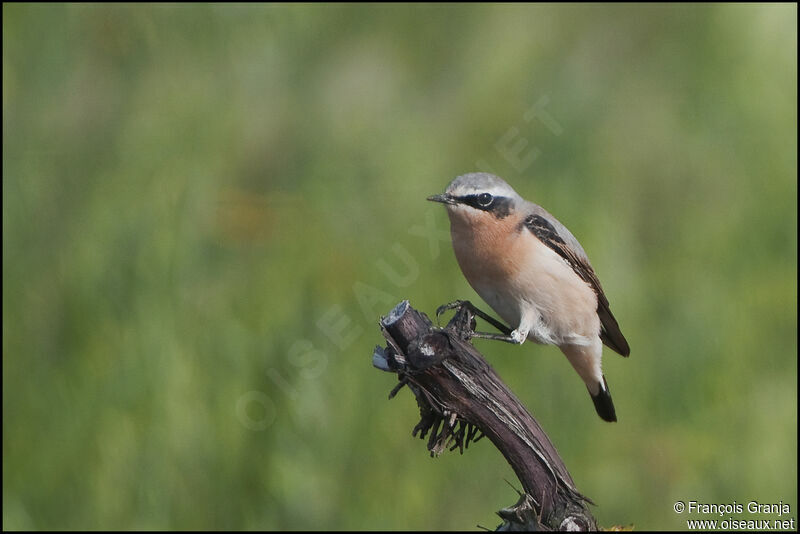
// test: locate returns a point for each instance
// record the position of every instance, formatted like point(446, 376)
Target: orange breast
point(487, 249)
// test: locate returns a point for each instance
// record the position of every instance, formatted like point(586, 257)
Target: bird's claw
point(449, 306)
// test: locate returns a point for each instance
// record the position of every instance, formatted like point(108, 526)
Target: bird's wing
point(556, 236)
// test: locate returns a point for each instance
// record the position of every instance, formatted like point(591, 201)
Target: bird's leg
point(507, 335)
point(516, 337)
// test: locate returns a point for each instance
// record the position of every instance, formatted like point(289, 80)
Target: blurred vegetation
point(206, 208)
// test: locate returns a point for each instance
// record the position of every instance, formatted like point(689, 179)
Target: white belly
point(545, 293)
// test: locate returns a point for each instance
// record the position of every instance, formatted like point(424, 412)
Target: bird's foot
point(458, 304)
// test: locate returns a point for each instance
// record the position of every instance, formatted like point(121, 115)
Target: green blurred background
point(206, 209)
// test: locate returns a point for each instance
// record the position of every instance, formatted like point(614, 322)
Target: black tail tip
point(603, 403)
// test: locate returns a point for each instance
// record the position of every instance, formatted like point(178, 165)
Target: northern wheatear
point(533, 272)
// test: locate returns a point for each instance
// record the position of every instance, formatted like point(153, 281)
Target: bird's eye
point(484, 199)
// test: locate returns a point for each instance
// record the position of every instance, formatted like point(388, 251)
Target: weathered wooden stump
point(461, 399)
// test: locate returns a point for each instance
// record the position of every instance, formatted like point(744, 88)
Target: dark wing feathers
point(610, 333)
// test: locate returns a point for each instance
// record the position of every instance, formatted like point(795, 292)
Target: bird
point(535, 275)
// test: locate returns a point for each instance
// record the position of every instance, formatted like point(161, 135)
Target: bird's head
point(478, 196)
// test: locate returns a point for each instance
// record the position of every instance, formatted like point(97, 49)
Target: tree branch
point(461, 399)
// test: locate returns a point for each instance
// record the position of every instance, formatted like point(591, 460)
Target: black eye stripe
point(500, 207)
point(472, 200)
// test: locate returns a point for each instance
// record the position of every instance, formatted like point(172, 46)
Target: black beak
point(444, 198)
